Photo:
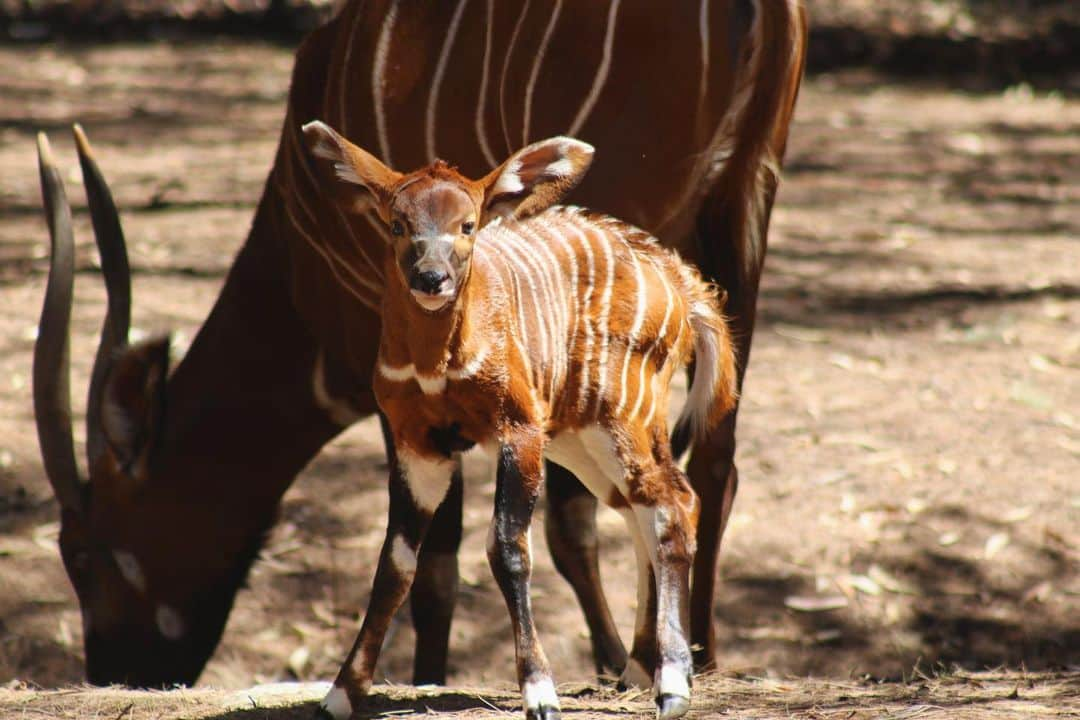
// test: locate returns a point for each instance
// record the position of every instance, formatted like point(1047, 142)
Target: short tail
point(714, 389)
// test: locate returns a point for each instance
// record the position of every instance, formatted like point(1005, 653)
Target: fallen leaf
point(864, 584)
point(948, 538)
point(815, 603)
point(995, 544)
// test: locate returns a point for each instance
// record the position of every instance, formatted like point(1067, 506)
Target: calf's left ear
point(535, 177)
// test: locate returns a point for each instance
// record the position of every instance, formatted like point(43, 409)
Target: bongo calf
point(533, 331)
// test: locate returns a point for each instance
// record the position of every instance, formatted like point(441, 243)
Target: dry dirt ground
point(909, 438)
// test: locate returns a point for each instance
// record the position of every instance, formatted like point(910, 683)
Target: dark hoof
point(544, 712)
point(671, 706)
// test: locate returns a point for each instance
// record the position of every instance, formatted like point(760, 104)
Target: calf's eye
point(468, 227)
point(396, 228)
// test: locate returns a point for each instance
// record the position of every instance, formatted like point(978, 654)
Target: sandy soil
point(910, 433)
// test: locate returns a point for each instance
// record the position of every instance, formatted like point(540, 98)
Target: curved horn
point(52, 392)
point(114, 266)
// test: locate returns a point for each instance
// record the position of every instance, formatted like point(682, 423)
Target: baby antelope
point(534, 331)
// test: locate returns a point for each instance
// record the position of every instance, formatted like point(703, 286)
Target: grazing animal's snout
point(431, 282)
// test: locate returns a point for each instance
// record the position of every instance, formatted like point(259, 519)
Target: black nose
point(429, 281)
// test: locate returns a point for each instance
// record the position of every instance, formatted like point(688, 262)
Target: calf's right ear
point(360, 180)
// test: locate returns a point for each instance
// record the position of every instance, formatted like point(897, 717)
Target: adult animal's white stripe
point(505, 69)
point(378, 79)
point(361, 279)
point(481, 101)
point(641, 300)
point(371, 303)
point(703, 28)
point(669, 303)
point(343, 115)
point(535, 73)
point(586, 315)
point(436, 79)
point(601, 72)
point(605, 312)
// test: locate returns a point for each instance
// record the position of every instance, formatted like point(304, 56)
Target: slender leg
point(434, 591)
point(642, 663)
point(519, 475)
point(570, 525)
point(668, 528)
point(715, 478)
point(417, 487)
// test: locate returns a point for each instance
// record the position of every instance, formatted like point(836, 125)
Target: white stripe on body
point(703, 27)
point(602, 323)
point(378, 80)
point(669, 301)
point(640, 301)
point(585, 315)
point(535, 73)
point(558, 310)
point(436, 80)
point(481, 102)
point(505, 70)
point(519, 248)
point(518, 331)
point(601, 73)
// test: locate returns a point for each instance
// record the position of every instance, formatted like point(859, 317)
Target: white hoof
point(336, 704)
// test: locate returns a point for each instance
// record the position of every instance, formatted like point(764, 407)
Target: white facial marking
point(539, 692)
point(673, 681)
point(130, 569)
point(169, 622)
point(337, 704)
point(403, 556)
point(428, 479)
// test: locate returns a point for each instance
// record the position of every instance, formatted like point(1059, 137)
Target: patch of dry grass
point(959, 696)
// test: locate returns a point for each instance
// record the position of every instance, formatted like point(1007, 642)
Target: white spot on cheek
point(403, 556)
point(169, 622)
point(337, 704)
point(130, 569)
point(539, 692)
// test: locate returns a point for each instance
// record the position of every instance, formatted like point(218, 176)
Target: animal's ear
point(133, 405)
point(535, 177)
point(361, 181)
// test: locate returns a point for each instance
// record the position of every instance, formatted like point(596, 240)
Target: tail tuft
point(714, 389)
